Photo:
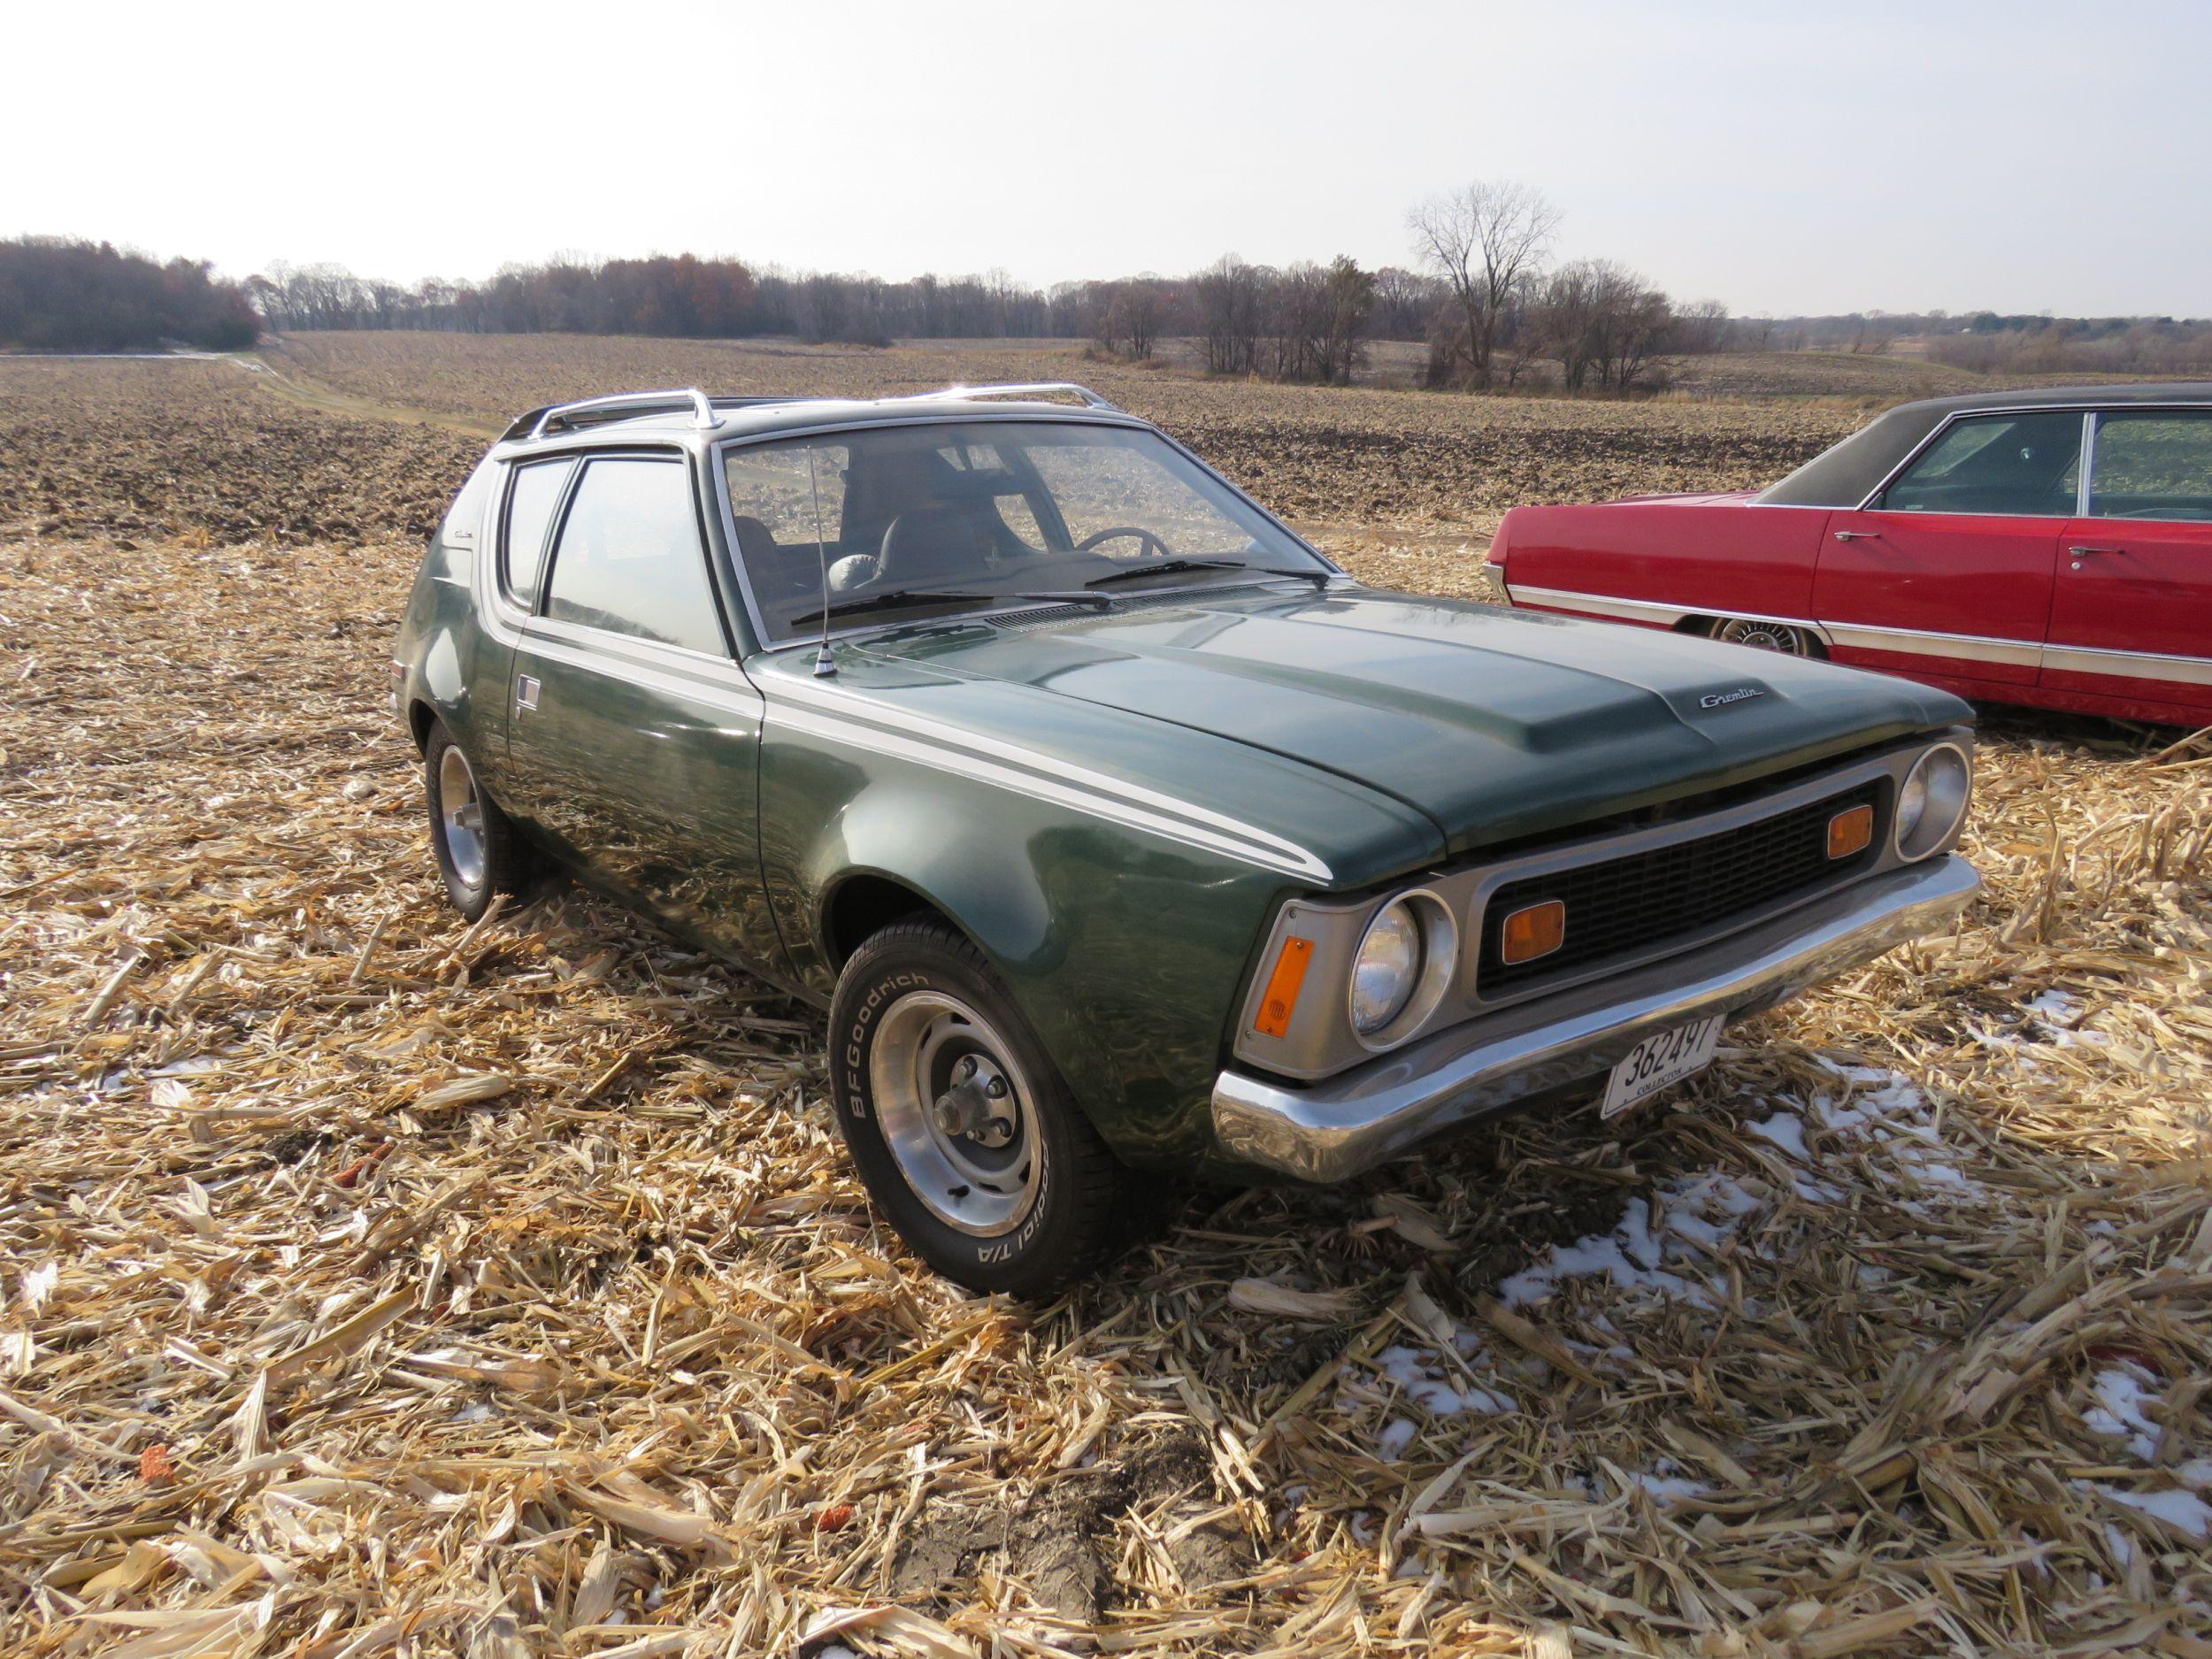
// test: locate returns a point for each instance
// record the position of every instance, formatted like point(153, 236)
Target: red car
point(2052, 547)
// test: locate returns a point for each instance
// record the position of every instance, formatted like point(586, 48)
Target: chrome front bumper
point(1336, 1128)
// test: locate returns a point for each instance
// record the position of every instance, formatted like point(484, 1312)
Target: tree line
point(1478, 293)
point(1481, 293)
point(61, 294)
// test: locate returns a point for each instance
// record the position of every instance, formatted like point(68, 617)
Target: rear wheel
point(479, 852)
point(1765, 636)
point(959, 1123)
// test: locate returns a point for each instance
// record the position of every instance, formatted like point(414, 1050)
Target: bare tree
point(1482, 239)
point(1700, 326)
point(1603, 320)
point(1229, 296)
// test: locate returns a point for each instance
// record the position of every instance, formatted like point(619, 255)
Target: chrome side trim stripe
point(1972, 647)
point(2082, 659)
point(842, 717)
point(1641, 609)
point(1565, 599)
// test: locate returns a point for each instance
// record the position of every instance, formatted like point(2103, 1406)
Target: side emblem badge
point(1721, 699)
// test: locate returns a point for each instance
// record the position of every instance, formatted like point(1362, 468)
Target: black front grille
point(1687, 890)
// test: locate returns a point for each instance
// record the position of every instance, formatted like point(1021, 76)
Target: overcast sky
point(2017, 154)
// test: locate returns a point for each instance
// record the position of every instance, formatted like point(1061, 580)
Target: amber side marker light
point(1851, 831)
point(1283, 986)
point(1534, 931)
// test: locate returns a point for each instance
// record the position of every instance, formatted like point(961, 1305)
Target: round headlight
point(1387, 969)
point(1403, 967)
point(1933, 801)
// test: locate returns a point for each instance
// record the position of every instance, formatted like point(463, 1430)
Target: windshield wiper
point(900, 597)
point(893, 598)
point(1319, 577)
point(1165, 567)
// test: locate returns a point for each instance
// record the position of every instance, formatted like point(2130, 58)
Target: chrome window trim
point(1089, 416)
point(2086, 509)
point(2090, 418)
point(2084, 408)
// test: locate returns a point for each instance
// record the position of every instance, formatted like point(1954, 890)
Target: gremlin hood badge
point(1721, 699)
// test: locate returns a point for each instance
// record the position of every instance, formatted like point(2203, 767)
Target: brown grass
point(376, 1285)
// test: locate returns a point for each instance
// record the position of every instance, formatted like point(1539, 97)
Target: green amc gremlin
point(1117, 830)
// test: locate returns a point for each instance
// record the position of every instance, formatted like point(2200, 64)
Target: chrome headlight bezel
point(1426, 976)
point(1931, 803)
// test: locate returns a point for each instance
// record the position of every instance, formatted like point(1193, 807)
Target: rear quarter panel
point(1711, 554)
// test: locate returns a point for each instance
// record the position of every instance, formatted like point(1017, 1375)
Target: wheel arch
point(862, 903)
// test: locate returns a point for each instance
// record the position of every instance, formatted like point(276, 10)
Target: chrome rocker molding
point(1334, 1130)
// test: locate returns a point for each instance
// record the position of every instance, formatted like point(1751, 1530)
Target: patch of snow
point(1785, 1130)
point(1421, 1377)
point(2178, 1507)
point(1396, 1436)
point(1666, 1489)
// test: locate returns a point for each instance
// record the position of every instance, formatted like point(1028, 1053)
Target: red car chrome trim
point(2078, 659)
point(2082, 659)
point(1641, 610)
point(1974, 648)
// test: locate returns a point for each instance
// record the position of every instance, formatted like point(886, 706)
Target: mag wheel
point(959, 1123)
point(1766, 636)
point(479, 851)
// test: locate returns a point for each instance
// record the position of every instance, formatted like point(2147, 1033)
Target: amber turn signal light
point(1283, 986)
point(1850, 830)
point(1534, 931)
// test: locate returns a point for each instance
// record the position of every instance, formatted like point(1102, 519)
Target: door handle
point(525, 692)
point(2084, 552)
point(1858, 535)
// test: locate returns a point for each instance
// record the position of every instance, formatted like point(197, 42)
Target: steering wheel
point(1144, 537)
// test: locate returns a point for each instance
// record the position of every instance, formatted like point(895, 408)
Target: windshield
point(980, 514)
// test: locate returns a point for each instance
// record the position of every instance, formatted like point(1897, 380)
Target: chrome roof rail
point(703, 413)
point(1013, 388)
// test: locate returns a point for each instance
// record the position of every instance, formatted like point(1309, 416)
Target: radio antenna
point(825, 665)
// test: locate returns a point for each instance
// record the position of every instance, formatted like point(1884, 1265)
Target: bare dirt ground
point(373, 1285)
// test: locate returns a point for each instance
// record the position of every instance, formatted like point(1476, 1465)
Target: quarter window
point(531, 499)
point(2006, 464)
point(628, 559)
point(2152, 466)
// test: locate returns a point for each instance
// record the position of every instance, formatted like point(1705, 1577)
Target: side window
point(531, 495)
point(628, 556)
point(1996, 463)
point(2152, 466)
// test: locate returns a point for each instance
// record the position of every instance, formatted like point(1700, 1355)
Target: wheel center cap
point(979, 1106)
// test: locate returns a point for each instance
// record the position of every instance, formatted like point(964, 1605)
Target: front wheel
point(961, 1127)
point(479, 852)
point(1765, 636)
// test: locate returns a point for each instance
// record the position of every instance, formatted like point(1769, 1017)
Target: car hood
point(1493, 723)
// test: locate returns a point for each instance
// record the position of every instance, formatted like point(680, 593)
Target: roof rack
point(1012, 388)
point(702, 408)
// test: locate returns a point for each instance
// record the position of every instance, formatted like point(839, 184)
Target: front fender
point(1126, 950)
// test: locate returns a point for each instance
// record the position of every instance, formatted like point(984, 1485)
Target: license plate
point(1664, 1057)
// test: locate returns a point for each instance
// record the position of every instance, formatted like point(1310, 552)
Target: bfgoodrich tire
point(961, 1127)
point(478, 850)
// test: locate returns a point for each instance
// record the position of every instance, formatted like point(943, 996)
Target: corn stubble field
point(376, 1285)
